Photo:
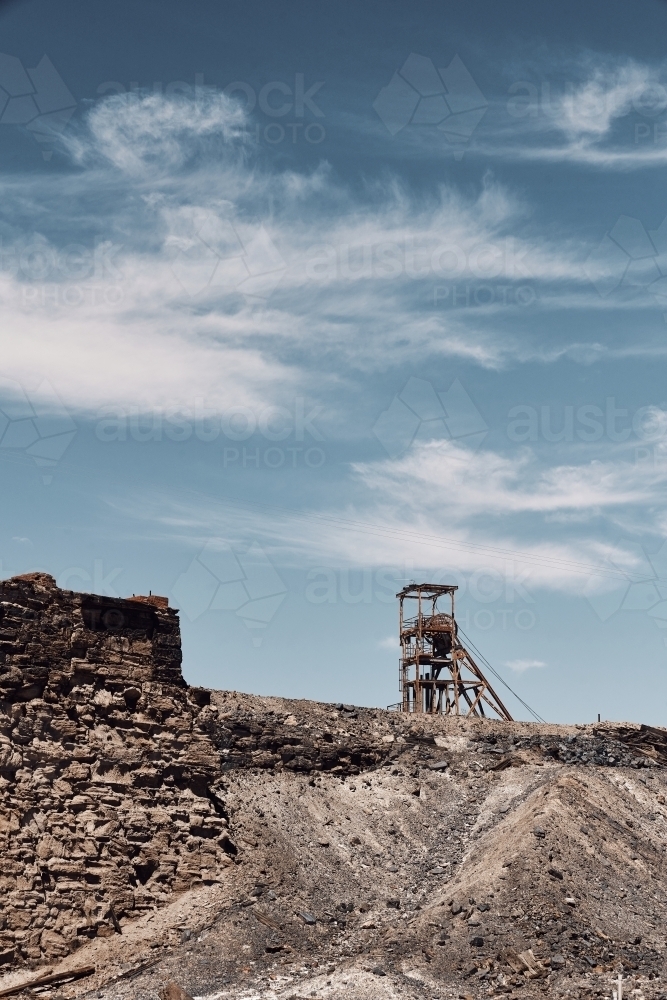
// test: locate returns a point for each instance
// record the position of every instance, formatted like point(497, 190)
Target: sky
point(305, 302)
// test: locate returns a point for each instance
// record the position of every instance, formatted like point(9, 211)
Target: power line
point(437, 540)
point(538, 718)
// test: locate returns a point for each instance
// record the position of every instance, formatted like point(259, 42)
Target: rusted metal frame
point(482, 696)
point(464, 692)
point(475, 692)
point(436, 693)
point(419, 643)
point(436, 688)
point(448, 703)
point(495, 707)
point(444, 698)
point(404, 657)
point(472, 666)
point(478, 687)
point(456, 676)
point(478, 700)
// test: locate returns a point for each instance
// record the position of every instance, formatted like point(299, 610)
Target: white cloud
point(610, 92)
point(423, 527)
point(219, 273)
point(232, 282)
point(581, 109)
point(519, 666)
point(583, 151)
point(137, 353)
point(212, 276)
point(562, 108)
point(485, 483)
point(390, 642)
point(135, 132)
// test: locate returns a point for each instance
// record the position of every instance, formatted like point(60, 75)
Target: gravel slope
point(454, 858)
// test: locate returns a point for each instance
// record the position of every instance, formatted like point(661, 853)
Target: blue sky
point(301, 302)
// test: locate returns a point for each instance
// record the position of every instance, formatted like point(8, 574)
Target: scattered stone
point(49, 979)
point(267, 921)
point(172, 991)
point(114, 805)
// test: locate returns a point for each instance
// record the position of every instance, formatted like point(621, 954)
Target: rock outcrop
point(235, 844)
point(105, 768)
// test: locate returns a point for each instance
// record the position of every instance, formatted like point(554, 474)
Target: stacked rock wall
point(107, 804)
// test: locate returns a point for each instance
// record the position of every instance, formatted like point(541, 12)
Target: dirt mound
point(242, 847)
point(468, 859)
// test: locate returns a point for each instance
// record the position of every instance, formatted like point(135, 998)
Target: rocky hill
point(244, 846)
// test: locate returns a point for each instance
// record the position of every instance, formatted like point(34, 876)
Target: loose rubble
point(182, 841)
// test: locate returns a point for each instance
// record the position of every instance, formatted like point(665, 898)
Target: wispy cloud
point(590, 107)
point(520, 666)
point(390, 642)
point(446, 509)
point(485, 483)
point(215, 274)
point(588, 114)
point(136, 132)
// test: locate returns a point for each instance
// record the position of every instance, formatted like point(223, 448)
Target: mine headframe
point(437, 673)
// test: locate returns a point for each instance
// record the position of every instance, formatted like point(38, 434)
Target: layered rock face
point(107, 797)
